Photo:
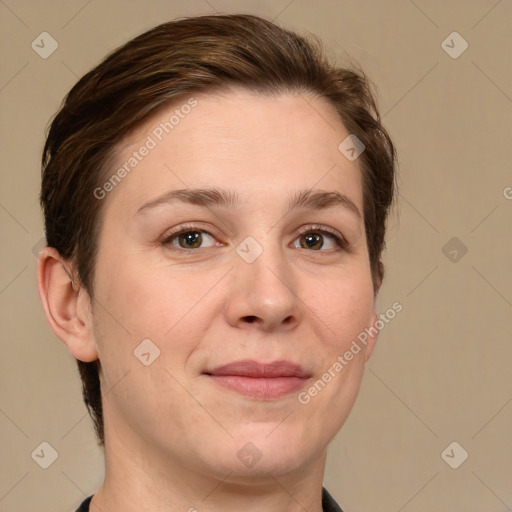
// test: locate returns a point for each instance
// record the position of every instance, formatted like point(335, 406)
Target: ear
point(372, 337)
point(67, 306)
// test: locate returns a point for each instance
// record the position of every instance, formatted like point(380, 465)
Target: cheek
point(344, 305)
point(137, 305)
point(159, 302)
point(145, 300)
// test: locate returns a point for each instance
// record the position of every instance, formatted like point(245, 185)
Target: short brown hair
point(187, 55)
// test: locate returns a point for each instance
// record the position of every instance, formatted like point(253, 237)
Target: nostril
point(251, 319)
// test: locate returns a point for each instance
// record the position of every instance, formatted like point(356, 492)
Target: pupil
point(313, 240)
point(192, 238)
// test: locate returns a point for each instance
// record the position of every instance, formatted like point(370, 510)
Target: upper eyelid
point(184, 229)
point(319, 227)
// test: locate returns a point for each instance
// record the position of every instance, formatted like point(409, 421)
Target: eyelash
point(341, 242)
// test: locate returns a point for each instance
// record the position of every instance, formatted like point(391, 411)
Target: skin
point(172, 435)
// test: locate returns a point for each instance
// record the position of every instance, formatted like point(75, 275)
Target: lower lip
point(260, 387)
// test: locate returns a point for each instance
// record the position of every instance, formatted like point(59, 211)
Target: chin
point(273, 449)
point(275, 464)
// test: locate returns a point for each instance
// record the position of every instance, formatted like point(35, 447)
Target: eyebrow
point(306, 199)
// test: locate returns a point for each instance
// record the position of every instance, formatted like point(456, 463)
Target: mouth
point(264, 381)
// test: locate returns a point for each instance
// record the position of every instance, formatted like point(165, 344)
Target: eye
point(189, 237)
point(315, 238)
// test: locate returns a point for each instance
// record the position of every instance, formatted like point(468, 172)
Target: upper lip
point(250, 368)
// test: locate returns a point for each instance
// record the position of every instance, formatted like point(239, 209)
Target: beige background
point(441, 372)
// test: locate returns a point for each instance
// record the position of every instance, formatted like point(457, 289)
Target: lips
point(264, 381)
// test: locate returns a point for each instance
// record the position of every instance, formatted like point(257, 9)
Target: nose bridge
point(271, 265)
point(265, 264)
point(265, 285)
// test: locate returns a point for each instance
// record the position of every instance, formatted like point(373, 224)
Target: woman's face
point(255, 278)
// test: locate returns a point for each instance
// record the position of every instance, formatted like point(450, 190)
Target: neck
point(142, 478)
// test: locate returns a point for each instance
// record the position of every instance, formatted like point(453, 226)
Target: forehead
point(251, 143)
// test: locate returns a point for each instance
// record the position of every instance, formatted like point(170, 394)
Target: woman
point(215, 195)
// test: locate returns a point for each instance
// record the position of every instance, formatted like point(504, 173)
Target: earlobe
point(67, 309)
point(372, 336)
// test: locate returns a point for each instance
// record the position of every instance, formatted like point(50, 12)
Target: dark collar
point(328, 503)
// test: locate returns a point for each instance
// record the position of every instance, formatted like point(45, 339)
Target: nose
point(262, 294)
